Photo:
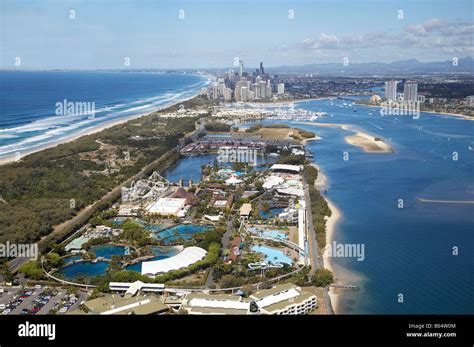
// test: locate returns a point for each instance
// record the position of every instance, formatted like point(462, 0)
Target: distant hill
point(411, 66)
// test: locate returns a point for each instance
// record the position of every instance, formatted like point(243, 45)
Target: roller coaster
point(151, 188)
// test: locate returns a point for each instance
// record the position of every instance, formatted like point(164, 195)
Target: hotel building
point(284, 299)
point(391, 90)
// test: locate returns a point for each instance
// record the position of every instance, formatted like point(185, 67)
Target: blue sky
point(152, 35)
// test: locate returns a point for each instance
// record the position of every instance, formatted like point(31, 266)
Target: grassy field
point(282, 133)
point(319, 292)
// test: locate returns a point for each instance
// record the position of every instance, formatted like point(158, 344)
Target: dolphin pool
point(85, 268)
point(274, 234)
point(181, 231)
point(271, 213)
point(159, 252)
point(107, 251)
point(272, 255)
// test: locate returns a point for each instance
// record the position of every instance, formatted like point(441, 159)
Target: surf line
point(447, 201)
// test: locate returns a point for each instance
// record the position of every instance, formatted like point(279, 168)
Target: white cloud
point(433, 37)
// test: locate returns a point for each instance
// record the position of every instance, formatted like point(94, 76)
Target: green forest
point(49, 187)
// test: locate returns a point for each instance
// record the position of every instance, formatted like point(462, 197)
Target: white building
point(410, 91)
point(268, 92)
point(286, 168)
point(272, 181)
point(188, 256)
point(135, 287)
point(281, 88)
point(302, 230)
point(167, 206)
point(391, 90)
point(470, 100)
point(227, 94)
point(284, 299)
point(237, 93)
point(263, 89)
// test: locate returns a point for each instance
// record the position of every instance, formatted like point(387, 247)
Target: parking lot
point(39, 300)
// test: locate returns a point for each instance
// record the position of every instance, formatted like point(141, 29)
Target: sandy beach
point(294, 100)
point(331, 223)
point(459, 115)
point(305, 141)
point(369, 143)
point(89, 131)
point(321, 184)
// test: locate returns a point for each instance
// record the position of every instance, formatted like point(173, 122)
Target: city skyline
point(166, 35)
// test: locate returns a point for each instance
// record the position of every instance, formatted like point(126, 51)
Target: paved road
point(327, 301)
point(26, 303)
point(225, 242)
point(14, 264)
point(46, 308)
point(116, 191)
point(209, 279)
point(7, 296)
point(313, 244)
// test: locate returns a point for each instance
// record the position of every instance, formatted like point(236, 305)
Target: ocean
point(30, 116)
point(422, 253)
point(419, 258)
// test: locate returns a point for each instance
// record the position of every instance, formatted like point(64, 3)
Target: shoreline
point(331, 224)
point(321, 184)
point(459, 115)
point(368, 143)
point(304, 142)
point(359, 139)
point(292, 101)
point(85, 132)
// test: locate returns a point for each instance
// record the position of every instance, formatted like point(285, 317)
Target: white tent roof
point(188, 256)
point(273, 299)
point(291, 191)
point(167, 205)
point(286, 167)
point(233, 180)
point(272, 181)
point(235, 304)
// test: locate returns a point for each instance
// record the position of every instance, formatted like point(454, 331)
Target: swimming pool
point(159, 252)
point(182, 231)
point(275, 234)
point(157, 227)
point(71, 259)
point(86, 268)
point(272, 255)
point(271, 213)
point(107, 251)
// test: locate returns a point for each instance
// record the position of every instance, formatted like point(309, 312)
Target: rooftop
point(245, 209)
point(116, 304)
point(275, 290)
point(188, 256)
point(167, 205)
point(286, 167)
